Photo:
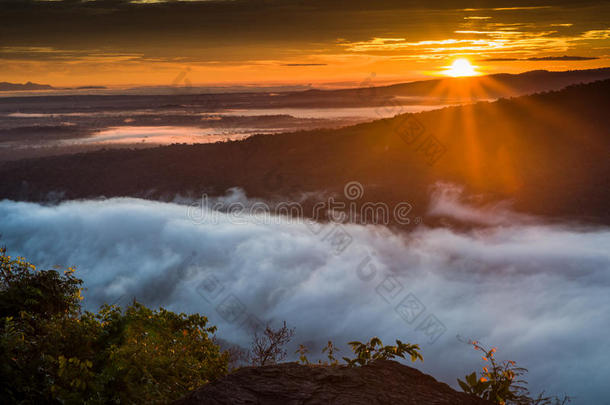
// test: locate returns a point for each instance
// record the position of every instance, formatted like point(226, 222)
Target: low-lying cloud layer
point(538, 292)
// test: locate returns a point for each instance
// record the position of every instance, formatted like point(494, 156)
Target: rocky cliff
point(382, 382)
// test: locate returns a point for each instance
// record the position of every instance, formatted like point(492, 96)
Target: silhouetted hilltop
point(454, 88)
point(382, 382)
point(547, 153)
point(498, 85)
point(5, 86)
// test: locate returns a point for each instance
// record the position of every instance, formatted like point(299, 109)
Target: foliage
point(43, 292)
point(52, 352)
point(374, 350)
point(330, 349)
point(502, 383)
point(302, 352)
point(365, 352)
point(268, 348)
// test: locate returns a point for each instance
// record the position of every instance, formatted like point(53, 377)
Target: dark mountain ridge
point(480, 87)
point(546, 153)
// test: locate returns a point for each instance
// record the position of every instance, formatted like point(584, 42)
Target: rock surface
point(382, 382)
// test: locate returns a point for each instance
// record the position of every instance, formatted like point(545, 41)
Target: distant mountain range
point(546, 153)
point(460, 88)
point(368, 92)
point(6, 86)
point(90, 88)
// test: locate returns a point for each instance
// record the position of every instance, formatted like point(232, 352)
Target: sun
point(461, 67)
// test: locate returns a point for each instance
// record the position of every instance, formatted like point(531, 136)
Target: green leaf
point(464, 386)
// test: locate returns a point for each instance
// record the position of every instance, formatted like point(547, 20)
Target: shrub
point(365, 352)
point(330, 349)
point(374, 350)
point(45, 293)
point(51, 352)
point(268, 348)
point(302, 352)
point(502, 383)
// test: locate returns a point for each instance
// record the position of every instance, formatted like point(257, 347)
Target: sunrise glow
point(460, 68)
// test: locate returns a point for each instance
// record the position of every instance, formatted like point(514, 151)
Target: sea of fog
point(91, 127)
point(536, 291)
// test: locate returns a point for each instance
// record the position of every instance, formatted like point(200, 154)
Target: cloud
point(565, 57)
point(304, 64)
point(508, 8)
point(539, 292)
point(448, 201)
point(66, 55)
point(495, 38)
point(221, 27)
point(543, 58)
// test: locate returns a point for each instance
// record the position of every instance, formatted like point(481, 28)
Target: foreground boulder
point(382, 382)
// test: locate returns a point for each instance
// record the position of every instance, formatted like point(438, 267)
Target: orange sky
point(119, 43)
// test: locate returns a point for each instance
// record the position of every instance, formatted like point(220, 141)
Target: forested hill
point(548, 153)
